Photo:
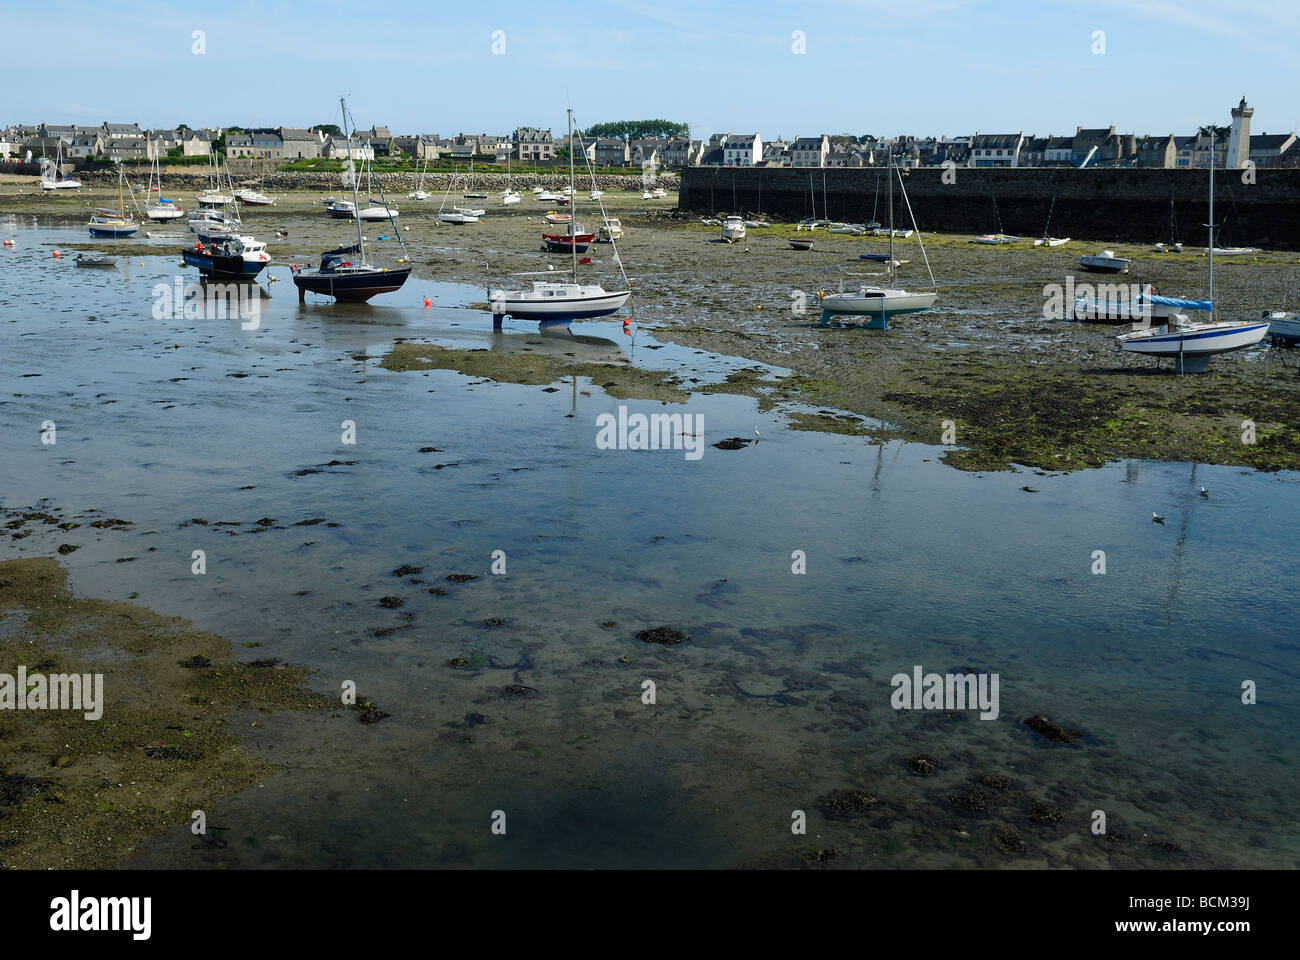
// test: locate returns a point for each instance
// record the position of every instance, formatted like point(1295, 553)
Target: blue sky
point(871, 66)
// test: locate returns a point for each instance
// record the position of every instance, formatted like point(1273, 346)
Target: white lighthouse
point(1239, 140)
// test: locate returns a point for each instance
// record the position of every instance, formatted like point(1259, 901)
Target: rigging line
point(919, 240)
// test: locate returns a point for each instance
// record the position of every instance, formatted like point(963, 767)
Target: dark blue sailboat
point(344, 273)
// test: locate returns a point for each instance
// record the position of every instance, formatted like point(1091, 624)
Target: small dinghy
point(95, 260)
point(800, 244)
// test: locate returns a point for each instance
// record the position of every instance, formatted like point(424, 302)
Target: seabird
point(1156, 518)
point(1205, 493)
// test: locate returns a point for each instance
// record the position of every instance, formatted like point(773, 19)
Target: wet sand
point(78, 793)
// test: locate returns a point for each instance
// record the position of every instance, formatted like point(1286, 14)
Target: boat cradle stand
point(875, 323)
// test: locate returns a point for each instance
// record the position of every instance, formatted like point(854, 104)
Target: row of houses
point(1101, 146)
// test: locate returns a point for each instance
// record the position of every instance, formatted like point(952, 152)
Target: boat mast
point(356, 198)
point(573, 205)
point(891, 211)
point(1213, 138)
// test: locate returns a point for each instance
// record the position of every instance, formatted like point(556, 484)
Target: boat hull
point(561, 309)
point(860, 305)
point(1284, 327)
point(113, 230)
point(1191, 350)
point(223, 268)
point(561, 244)
point(351, 288)
point(165, 213)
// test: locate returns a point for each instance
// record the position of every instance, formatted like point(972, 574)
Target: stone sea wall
point(1131, 205)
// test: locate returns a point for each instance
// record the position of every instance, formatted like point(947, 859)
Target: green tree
point(330, 129)
point(639, 129)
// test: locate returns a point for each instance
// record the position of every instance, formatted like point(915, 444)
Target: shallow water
point(783, 693)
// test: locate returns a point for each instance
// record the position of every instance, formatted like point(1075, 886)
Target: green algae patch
point(617, 377)
point(81, 794)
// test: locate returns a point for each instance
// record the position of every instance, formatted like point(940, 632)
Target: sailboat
point(1173, 246)
point(339, 275)
point(377, 210)
point(879, 303)
point(549, 302)
point(457, 216)
point(470, 193)
point(162, 208)
point(1190, 345)
point(419, 193)
point(114, 223)
point(255, 198)
point(52, 177)
point(995, 239)
point(509, 195)
point(1047, 240)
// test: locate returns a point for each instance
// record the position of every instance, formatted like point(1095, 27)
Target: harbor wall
point(1131, 205)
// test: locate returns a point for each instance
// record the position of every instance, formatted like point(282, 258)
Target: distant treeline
point(639, 130)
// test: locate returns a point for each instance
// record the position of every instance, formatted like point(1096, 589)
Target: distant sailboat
point(52, 177)
point(114, 223)
point(162, 208)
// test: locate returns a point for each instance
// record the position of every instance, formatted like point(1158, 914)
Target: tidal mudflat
point(499, 589)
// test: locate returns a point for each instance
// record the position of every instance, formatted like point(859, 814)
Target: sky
point(782, 68)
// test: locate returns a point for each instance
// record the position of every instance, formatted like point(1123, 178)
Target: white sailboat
point(549, 302)
point(1191, 345)
point(52, 177)
point(161, 208)
point(876, 302)
point(419, 193)
point(457, 216)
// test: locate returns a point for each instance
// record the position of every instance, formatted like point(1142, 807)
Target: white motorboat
point(341, 209)
point(1283, 327)
point(457, 219)
point(1105, 262)
point(733, 229)
point(509, 198)
point(547, 197)
point(1191, 345)
point(610, 230)
point(1051, 241)
point(597, 194)
point(658, 193)
point(470, 211)
point(539, 189)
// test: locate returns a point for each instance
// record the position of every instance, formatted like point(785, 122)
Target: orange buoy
point(427, 303)
point(57, 254)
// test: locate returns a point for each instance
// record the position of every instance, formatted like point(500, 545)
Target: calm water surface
point(781, 696)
